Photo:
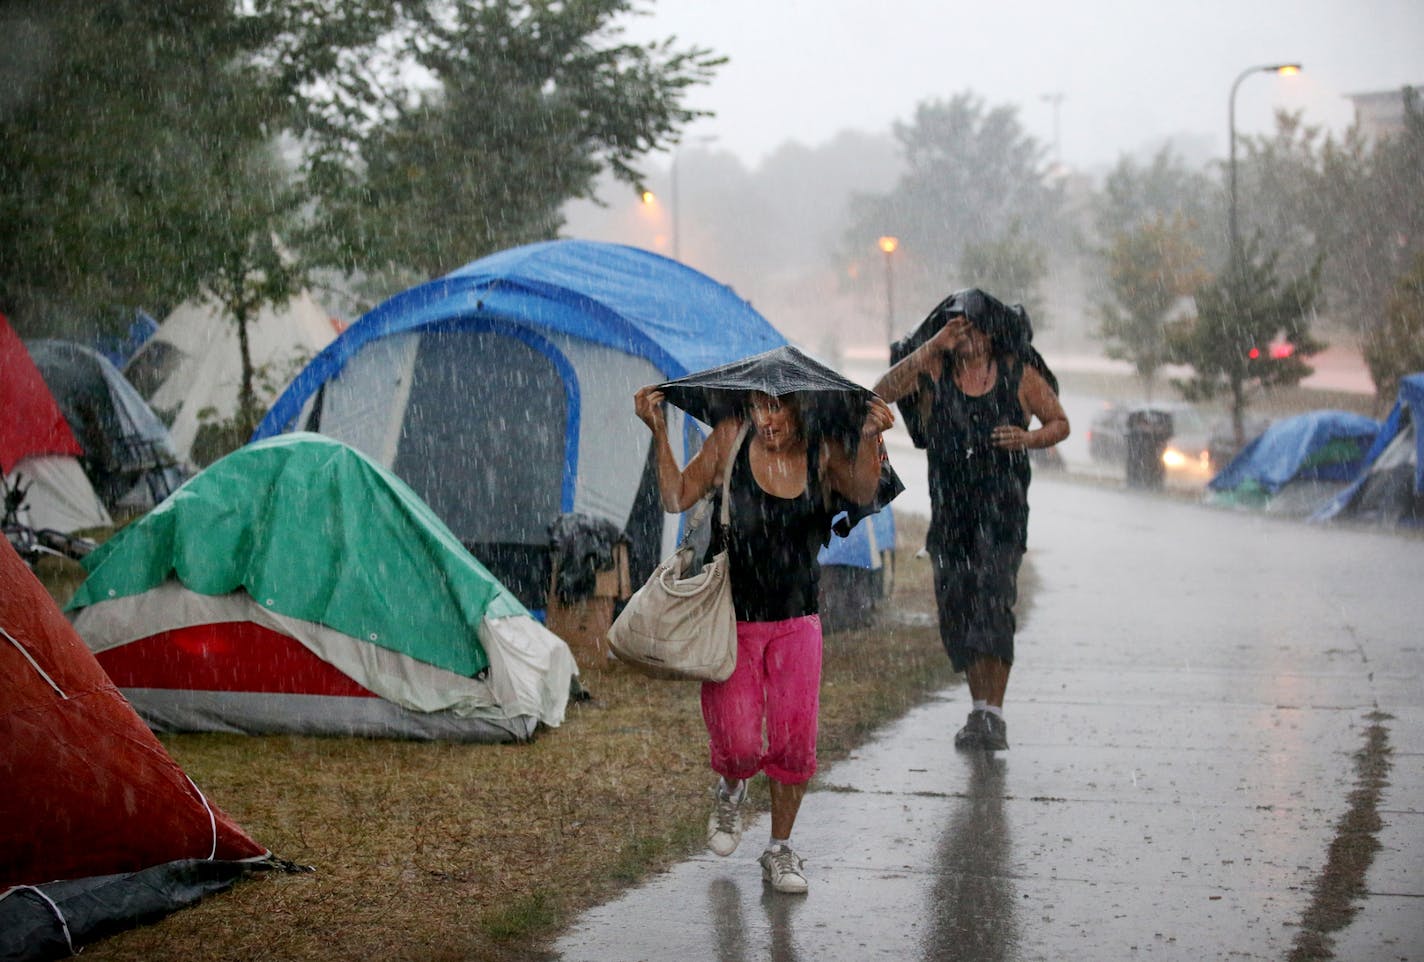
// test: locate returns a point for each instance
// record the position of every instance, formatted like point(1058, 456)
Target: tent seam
point(53, 907)
point(34, 664)
point(212, 819)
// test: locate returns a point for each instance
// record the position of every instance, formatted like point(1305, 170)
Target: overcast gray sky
point(1130, 71)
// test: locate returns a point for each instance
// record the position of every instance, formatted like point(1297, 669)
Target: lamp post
point(1284, 69)
point(1055, 100)
point(888, 244)
point(652, 214)
point(676, 225)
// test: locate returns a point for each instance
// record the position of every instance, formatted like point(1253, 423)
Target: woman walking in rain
point(783, 483)
point(974, 385)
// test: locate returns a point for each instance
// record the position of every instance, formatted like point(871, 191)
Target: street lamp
point(1055, 100)
point(888, 245)
point(676, 227)
point(652, 214)
point(1285, 70)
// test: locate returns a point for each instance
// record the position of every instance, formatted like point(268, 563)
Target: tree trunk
point(1238, 412)
point(246, 395)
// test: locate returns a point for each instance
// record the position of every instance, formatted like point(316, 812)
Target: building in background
point(1380, 113)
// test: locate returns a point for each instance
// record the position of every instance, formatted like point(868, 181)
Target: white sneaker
point(724, 826)
point(784, 869)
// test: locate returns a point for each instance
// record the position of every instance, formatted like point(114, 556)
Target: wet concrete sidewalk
point(1191, 690)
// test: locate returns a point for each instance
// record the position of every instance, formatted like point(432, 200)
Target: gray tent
point(128, 453)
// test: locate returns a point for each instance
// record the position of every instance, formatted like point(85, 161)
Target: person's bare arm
point(928, 358)
point(858, 479)
point(1040, 402)
point(680, 488)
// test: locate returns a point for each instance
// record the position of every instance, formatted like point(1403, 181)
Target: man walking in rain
point(969, 386)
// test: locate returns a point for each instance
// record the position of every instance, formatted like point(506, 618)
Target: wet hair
point(806, 427)
point(1008, 326)
point(791, 401)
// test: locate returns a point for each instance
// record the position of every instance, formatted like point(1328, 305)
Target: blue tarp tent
point(502, 393)
point(1390, 487)
point(119, 349)
point(1315, 446)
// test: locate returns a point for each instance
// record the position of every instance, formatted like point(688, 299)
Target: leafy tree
point(1281, 194)
point(1357, 202)
point(132, 154)
point(147, 150)
point(1240, 316)
point(1397, 348)
point(1389, 238)
point(1011, 262)
point(972, 177)
point(524, 104)
point(1134, 195)
point(1150, 268)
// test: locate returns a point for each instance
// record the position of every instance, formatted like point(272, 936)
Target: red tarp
point(229, 656)
point(88, 790)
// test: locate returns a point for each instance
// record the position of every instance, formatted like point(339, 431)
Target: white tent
point(38, 450)
point(194, 363)
point(58, 495)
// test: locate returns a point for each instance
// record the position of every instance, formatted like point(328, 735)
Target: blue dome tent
point(1296, 464)
point(502, 393)
point(1390, 488)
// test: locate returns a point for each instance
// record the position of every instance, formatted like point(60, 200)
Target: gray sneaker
point(784, 869)
point(972, 735)
point(724, 825)
point(996, 733)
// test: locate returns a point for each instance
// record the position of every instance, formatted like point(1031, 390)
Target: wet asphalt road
point(1191, 688)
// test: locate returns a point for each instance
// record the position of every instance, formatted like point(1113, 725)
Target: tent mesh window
point(505, 488)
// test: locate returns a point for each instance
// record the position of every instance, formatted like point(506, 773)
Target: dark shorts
point(976, 587)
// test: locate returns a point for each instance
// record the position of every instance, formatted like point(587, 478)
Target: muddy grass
point(443, 852)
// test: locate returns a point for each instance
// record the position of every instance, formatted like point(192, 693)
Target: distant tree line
point(1328, 225)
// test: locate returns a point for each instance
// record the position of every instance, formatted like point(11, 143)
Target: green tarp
point(312, 529)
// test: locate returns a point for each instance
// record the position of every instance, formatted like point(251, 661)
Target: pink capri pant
point(763, 718)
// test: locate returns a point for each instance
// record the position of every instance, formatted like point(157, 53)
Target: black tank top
point(972, 481)
point(773, 546)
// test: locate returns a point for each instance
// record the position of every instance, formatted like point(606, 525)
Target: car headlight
point(1173, 458)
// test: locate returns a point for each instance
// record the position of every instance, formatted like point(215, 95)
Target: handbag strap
point(727, 473)
point(706, 502)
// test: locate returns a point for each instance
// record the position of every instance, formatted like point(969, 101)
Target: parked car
point(1221, 441)
point(1187, 453)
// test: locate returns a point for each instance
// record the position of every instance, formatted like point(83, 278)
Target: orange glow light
point(888, 244)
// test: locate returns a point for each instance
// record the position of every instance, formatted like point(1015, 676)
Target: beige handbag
point(678, 627)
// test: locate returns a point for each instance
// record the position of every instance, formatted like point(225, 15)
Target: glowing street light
point(889, 244)
point(1283, 69)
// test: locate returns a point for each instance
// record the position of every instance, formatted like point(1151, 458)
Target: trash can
point(1147, 435)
